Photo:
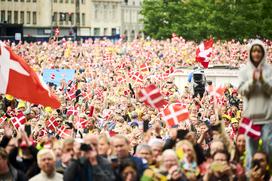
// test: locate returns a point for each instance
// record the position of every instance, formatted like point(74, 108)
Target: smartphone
point(28, 130)
point(256, 163)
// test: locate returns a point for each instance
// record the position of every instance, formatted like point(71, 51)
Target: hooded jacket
point(257, 94)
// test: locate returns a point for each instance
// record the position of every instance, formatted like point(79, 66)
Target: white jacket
point(257, 95)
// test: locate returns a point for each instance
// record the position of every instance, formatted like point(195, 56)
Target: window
point(22, 17)
point(72, 1)
point(15, 0)
point(72, 18)
point(34, 1)
point(113, 31)
point(15, 17)
point(83, 19)
point(9, 16)
point(96, 11)
point(66, 1)
point(3, 16)
point(55, 17)
point(22, 0)
point(105, 31)
point(55, 1)
point(61, 1)
point(34, 18)
point(105, 12)
point(114, 9)
point(27, 0)
point(96, 31)
point(2, 0)
point(28, 17)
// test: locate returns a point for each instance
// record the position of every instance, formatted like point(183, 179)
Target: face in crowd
point(46, 161)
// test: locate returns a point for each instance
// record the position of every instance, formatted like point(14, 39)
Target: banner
point(55, 76)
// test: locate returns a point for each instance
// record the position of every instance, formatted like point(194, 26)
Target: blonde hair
point(189, 144)
point(44, 152)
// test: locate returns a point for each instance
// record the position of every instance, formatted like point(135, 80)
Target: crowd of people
point(102, 131)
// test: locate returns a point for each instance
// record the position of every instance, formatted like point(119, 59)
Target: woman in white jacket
point(256, 88)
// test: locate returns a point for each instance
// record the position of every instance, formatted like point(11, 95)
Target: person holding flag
point(256, 88)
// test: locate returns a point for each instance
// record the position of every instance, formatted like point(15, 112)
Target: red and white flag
point(136, 76)
point(121, 80)
point(151, 96)
point(21, 81)
point(72, 111)
point(3, 119)
point(52, 124)
point(52, 76)
point(81, 123)
point(18, 121)
point(71, 95)
point(203, 52)
point(64, 133)
point(144, 67)
point(174, 113)
point(247, 127)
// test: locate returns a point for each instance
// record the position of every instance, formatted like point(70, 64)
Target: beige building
point(131, 19)
point(83, 17)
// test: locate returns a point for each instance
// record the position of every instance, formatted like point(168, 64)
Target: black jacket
point(82, 170)
point(17, 175)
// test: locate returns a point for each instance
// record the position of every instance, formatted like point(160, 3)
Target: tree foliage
point(200, 19)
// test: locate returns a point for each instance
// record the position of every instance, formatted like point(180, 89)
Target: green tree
point(200, 19)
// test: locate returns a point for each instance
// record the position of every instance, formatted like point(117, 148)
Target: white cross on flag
point(64, 133)
point(174, 113)
point(52, 124)
point(71, 94)
point(248, 128)
point(18, 121)
point(21, 81)
point(81, 122)
point(151, 96)
point(3, 119)
point(137, 76)
point(203, 52)
point(144, 67)
point(72, 111)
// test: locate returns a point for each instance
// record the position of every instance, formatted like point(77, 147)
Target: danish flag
point(151, 96)
point(71, 94)
point(81, 123)
point(137, 76)
point(248, 128)
point(144, 67)
point(64, 132)
point(3, 119)
point(72, 111)
point(18, 121)
point(21, 81)
point(52, 124)
point(52, 76)
point(174, 113)
point(203, 52)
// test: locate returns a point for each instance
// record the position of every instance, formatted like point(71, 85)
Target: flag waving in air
point(21, 81)
point(203, 52)
point(248, 128)
point(174, 113)
point(151, 96)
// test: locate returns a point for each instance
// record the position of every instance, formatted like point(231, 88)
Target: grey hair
point(143, 147)
point(43, 152)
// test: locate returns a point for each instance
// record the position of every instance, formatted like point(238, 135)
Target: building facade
point(80, 17)
point(132, 26)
